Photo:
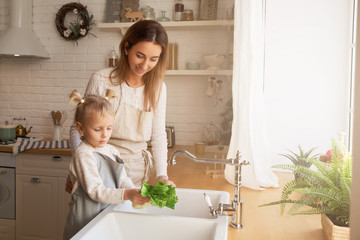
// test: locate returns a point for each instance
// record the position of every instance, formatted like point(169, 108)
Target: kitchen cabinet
point(7, 229)
point(41, 200)
point(184, 26)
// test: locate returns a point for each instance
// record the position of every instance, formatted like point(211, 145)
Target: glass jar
point(163, 17)
point(211, 134)
point(187, 15)
point(208, 9)
point(148, 13)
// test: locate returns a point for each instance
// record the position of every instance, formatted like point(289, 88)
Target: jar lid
point(188, 11)
point(147, 8)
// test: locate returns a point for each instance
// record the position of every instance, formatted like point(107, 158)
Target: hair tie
point(82, 100)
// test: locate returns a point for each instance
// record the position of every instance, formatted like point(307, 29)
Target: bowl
point(193, 65)
point(214, 61)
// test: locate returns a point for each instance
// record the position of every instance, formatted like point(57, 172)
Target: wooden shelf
point(219, 72)
point(173, 25)
point(181, 25)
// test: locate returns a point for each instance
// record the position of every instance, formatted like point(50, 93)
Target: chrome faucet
point(234, 209)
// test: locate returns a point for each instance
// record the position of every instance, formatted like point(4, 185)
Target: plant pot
point(334, 232)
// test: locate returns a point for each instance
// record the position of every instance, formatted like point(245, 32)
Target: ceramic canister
point(7, 132)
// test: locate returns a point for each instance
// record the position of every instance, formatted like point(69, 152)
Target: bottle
point(163, 17)
point(114, 58)
point(179, 8)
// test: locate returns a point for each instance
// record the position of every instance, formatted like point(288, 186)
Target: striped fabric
point(24, 144)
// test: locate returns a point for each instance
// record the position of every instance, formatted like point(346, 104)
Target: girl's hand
point(167, 181)
point(135, 196)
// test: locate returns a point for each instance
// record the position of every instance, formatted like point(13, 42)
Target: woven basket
point(333, 232)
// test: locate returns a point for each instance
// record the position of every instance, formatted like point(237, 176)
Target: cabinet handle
point(35, 180)
point(3, 172)
point(57, 158)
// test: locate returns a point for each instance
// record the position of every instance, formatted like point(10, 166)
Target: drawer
point(43, 165)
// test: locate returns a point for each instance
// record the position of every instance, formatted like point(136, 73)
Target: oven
point(7, 185)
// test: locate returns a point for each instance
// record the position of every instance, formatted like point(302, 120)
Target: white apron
point(131, 130)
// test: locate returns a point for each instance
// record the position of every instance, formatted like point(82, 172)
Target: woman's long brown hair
point(151, 31)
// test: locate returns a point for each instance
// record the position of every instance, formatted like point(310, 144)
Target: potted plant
point(302, 158)
point(325, 190)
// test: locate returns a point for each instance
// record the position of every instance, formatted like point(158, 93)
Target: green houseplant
point(302, 158)
point(325, 190)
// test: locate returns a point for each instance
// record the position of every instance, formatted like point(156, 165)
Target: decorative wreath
point(78, 28)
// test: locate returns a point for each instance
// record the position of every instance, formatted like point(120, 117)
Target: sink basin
point(190, 220)
point(123, 225)
point(191, 204)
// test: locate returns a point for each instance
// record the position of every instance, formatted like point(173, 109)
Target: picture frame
point(113, 11)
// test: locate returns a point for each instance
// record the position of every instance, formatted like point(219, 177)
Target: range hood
point(20, 40)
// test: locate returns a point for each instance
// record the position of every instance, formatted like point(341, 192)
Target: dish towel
point(24, 144)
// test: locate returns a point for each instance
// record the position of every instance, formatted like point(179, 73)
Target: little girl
point(96, 170)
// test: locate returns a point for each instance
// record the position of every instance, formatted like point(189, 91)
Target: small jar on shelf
point(148, 13)
point(187, 15)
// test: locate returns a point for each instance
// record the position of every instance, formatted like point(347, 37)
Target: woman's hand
point(135, 196)
point(167, 181)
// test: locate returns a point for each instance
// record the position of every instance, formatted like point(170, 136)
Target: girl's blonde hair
point(92, 104)
point(150, 31)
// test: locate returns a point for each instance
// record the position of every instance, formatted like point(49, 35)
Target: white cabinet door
point(36, 207)
point(7, 229)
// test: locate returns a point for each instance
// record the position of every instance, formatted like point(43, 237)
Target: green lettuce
point(161, 195)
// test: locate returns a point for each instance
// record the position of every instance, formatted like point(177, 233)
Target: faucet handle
point(244, 162)
point(207, 200)
point(213, 213)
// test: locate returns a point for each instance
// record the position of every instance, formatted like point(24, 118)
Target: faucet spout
point(172, 160)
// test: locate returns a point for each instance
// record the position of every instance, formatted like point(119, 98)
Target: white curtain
point(248, 128)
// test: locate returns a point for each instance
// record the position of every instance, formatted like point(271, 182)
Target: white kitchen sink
point(190, 220)
point(125, 226)
point(191, 204)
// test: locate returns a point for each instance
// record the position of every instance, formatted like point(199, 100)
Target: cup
point(199, 148)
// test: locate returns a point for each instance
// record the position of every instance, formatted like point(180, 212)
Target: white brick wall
point(31, 88)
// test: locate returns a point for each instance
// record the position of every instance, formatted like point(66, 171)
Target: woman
point(141, 105)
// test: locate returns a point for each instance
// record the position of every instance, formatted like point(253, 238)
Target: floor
point(260, 222)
